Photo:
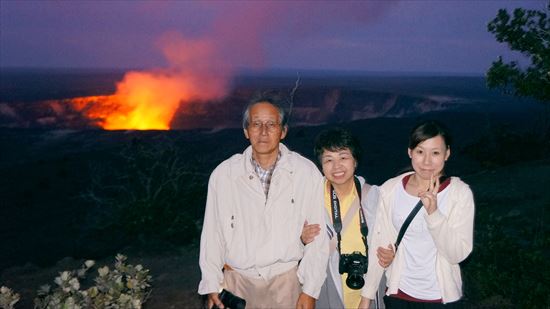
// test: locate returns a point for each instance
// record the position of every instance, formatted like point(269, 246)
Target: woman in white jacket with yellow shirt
point(425, 272)
point(338, 153)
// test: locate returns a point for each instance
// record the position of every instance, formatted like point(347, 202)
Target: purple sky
point(387, 36)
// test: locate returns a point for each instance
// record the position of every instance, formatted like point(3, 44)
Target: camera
point(230, 300)
point(355, 264)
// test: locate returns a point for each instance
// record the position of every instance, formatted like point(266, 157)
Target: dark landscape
point(71, 191)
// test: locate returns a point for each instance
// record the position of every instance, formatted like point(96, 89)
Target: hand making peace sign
point(429, 197)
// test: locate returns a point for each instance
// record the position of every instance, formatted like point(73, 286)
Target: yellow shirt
point(351, 240)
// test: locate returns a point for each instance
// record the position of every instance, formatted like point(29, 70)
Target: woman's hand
point(365, 303)
point(429, 197)
point(309, 232)
point(385, 256)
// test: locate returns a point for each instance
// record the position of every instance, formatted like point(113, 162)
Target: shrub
point(8, 298)
point(124, 287)
point(150, 190)
point(500, 146)
point(508, 267)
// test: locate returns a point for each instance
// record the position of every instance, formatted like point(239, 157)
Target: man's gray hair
point(274, 99)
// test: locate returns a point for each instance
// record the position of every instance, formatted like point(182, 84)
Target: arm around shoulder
point(381, 237)
point(312, 268)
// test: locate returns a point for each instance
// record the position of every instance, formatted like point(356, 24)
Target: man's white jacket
point(259, 236)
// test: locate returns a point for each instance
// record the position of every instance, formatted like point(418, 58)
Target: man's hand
point(309, 232)
point(305, 302)
point(365, 303)
point(214, 299)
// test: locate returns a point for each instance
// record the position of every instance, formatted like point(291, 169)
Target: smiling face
point(338, 166)
point(428, 157)
point(264, 130)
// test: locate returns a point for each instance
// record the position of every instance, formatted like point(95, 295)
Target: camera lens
point(355, 282)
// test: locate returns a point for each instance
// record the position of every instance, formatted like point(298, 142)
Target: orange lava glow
point(143, 101)
point(148, 100)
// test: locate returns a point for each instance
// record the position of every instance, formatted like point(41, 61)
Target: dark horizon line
point(253, 72)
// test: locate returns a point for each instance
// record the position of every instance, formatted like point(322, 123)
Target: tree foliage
point(528, 32)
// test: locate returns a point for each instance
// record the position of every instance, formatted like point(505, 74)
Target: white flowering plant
point(123, 287)
point(8, 298)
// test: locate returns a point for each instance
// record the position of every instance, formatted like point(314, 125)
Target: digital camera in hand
point(230, 300)
point(355, 264)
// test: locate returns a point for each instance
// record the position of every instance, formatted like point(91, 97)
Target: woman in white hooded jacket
point(425, 271)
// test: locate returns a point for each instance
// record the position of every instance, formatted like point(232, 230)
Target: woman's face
point(338, 166)
point(428, 158)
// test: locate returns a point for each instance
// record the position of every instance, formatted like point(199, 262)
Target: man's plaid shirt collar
point(265, 175)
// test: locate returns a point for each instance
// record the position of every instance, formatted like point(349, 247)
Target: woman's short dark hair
point(335, 139)
point(428, 129)
point(270, 97)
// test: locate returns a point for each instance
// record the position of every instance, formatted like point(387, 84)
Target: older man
point(256, 206)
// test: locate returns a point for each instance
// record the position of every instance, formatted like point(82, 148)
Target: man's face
point(264, 129)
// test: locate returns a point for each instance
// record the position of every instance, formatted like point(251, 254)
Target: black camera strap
point(414, 211)
point(337, 218)
point(406, 224)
